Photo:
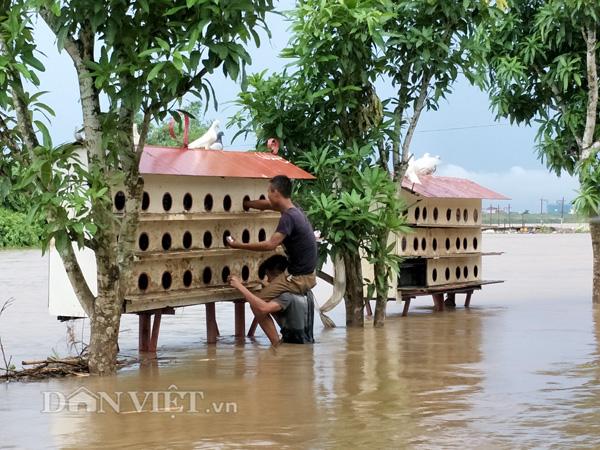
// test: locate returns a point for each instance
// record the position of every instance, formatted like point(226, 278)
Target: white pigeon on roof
point(209, 138)
point(218, 145)
point(425, 165)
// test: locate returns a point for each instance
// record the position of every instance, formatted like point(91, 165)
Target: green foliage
point(535, 64)
point(17, 231)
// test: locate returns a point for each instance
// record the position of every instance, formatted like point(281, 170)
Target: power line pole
point(509, 215)
point(562, 210)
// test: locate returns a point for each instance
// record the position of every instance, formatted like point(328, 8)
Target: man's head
point(273, 266)
point(280, 190)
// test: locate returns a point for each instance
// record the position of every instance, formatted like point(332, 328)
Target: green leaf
point(155, 71)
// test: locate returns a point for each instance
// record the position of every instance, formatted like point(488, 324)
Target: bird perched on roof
point(425, 165)
point(218, 145)
point(208, 138)
point(273, 145)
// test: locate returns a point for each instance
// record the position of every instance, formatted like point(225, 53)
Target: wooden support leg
point(438, 302)
point(211, 323)
point(450, 300)
point(144, 332)
point(240, 319)
point(406, 306)
point(252, 328)
point(369, 310)
point(468, 299)
point(155, 332)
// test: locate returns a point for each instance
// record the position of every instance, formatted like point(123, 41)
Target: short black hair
point(275, 263)
point(283, 185)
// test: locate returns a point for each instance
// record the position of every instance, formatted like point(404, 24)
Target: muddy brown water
point(520, 369)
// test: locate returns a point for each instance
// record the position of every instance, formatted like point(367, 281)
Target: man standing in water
point(293, 312)
point(296, 234)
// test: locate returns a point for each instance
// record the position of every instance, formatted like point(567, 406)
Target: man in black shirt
point(293, 312)
point(296, 234)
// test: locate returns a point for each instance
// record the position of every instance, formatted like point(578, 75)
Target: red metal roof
point(447, 187)
point(216, 163)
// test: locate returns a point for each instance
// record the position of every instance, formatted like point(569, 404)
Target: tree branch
point(592, 106)
point(418, 107)
point(75, 274)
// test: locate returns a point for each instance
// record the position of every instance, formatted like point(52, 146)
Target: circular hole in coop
point(465, 215)
point(261, 272)
point(120, 201)
point(166, 280)
point(246, 199)
point(475, 271)
point(465, 243)
point(466, 272)
point(424, 244)
point(416, 244)
point(448, 214)
point(144, 242)
point(403, 243)
point(457, 273)
point(434, 275)
point(187, 201)
point(225, 274)
point(424, 213)
point(207, 239)
point(206, 275)
point(262, 197)
point(143, 281)
point(187, 278)
point(166, 241)
point(262, 235)
point(434, 244)
point(145, 201)
point(245, 236)
point(227, 203)
point(208, 202)
point(417, 213)
point(435, 214)
point(475, 243)
point(457, 243)
point(226, 234)
point(458, 214)
point(475, 215)
point(167, 201)
point(447, 273)
point(245, 273)
point(448, 244)
point(187, 239)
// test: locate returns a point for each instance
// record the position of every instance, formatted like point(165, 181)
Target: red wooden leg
point(369, 310)
point(144, 332)
point(252, 328)
point(211, 323)
point(240, 319)
point(406, 306)
point(468, 299)
point(438, 301)
point(155, 332)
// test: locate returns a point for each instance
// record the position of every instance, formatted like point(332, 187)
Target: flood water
point(520, 369)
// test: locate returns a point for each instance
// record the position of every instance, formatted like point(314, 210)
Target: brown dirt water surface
point(520, 369)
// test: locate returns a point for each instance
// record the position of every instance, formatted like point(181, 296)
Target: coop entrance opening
point(413, 272)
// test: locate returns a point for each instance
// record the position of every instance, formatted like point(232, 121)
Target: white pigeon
point(136, 134)
point(208, 138)
point(218, 145)
point(425, 165)
point(79, 134)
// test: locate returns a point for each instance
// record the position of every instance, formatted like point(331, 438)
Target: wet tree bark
point(381, 288)
point(354, 291)
point(595, 234)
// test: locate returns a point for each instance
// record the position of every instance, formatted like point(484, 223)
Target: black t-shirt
point(300, 243)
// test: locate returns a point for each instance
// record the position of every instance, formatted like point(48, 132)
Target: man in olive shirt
point(293, 312)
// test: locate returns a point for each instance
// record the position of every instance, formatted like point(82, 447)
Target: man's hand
point(231, 242)
point(235, 282)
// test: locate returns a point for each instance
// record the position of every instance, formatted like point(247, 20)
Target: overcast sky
point(462, 132)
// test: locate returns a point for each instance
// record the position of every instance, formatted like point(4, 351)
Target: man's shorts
point(284, 282)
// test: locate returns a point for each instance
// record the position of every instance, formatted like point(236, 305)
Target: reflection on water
point(518, 370)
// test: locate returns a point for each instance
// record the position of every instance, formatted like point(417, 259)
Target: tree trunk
point(595, 233)
point(381, 288)
point(354, 291)
point(105, 335)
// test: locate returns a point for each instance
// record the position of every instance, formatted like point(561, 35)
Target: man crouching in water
point(293, 312)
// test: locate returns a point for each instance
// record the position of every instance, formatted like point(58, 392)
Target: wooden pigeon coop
point(443, 250)
point(193, 200)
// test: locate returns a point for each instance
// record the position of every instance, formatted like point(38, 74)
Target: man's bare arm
point(256, 302)
point(258, 204)
point(264, 246)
